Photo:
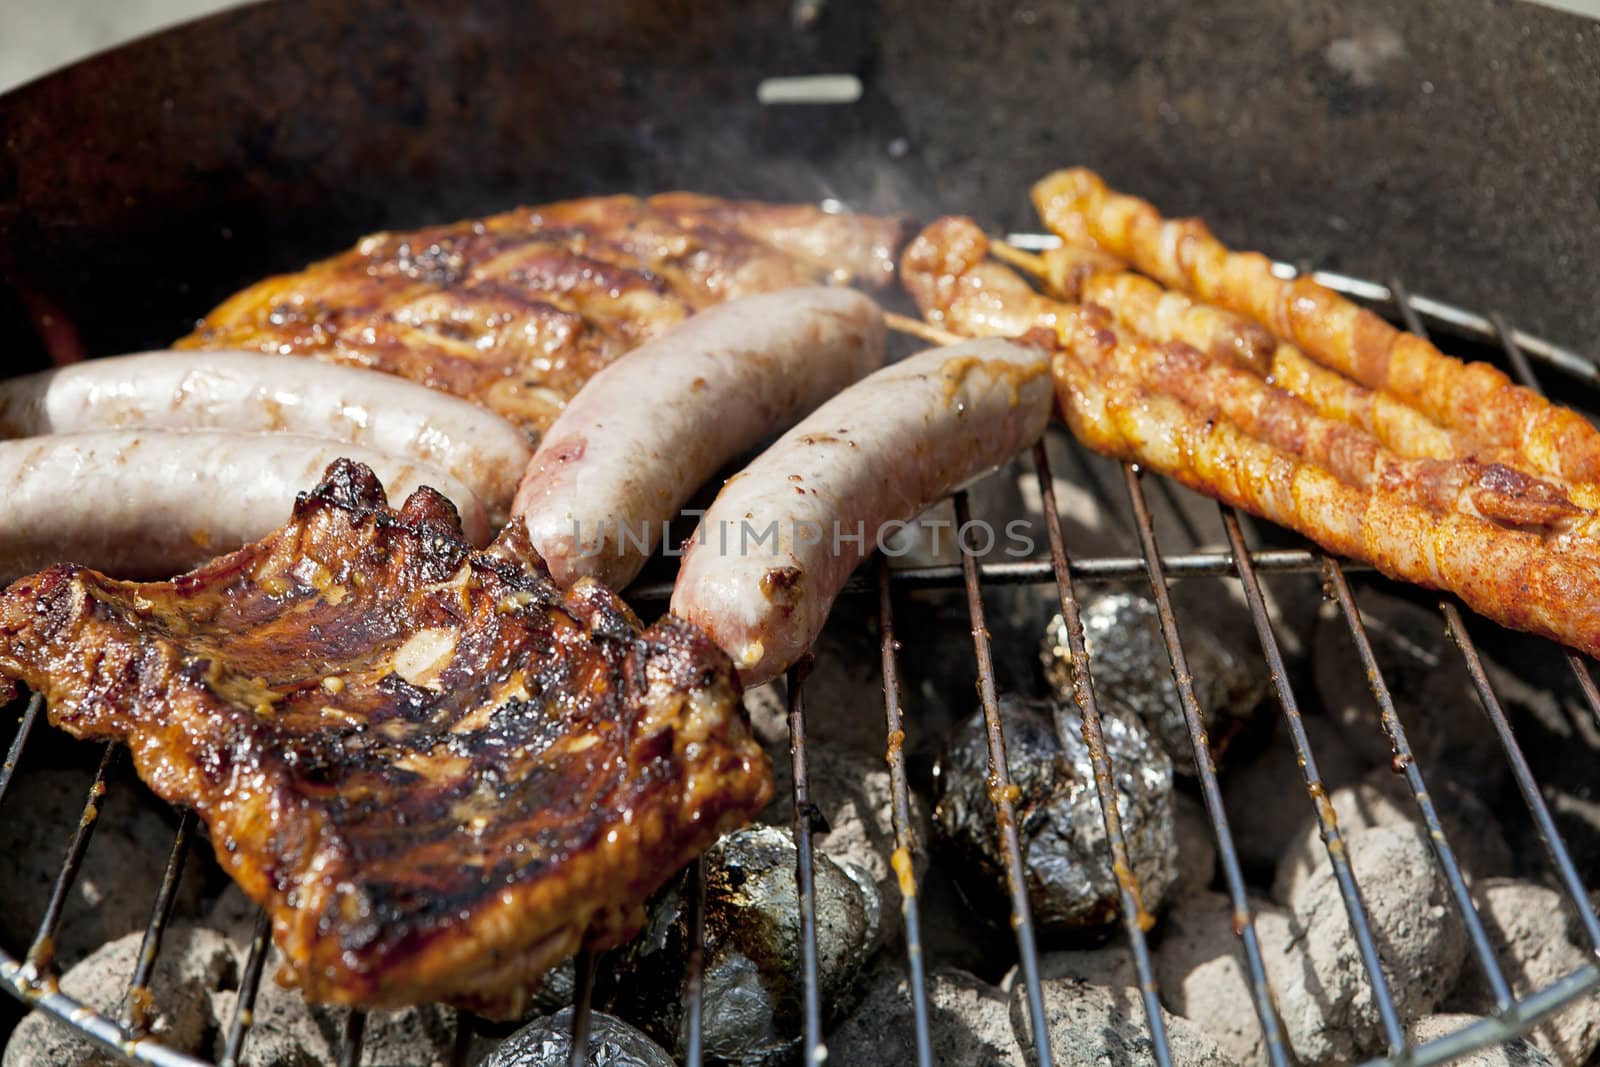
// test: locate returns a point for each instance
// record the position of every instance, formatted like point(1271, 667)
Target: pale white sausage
point(152, 503)
point(249, 391)
point(775, 547)
point(647, 431)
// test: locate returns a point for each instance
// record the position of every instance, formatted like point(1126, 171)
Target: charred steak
point(436, 770)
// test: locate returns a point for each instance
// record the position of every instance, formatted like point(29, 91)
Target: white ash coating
point(1419, 937)
point(1517, 1053)
point(1092, 1024)
point(193, 960)
point(1266, 798)
point(1527, 925)
point(969, 1021)
point(853, 792)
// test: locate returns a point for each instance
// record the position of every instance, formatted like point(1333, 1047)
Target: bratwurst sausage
point(151, 503)
point(248, 391)
point(775, 547)
point(648, 430)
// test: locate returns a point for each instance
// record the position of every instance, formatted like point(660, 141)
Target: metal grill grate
point(30, 979)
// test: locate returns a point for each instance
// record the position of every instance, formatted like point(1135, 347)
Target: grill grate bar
point(1525, 374)
point(1037, 571)
point(694, 988)
point(1520, 367)
point(1000, 793)
point(1544, 823)
point(1405, 761)
point(1210, 789)
point(1338, 856)
point(1580, 671)
point(900, 813)
point(1135, 919)
point(133, 1016)
point(355, 1030)
point(42, 952)
point(582, 1009)
point(805, 816)
point(249, 986)
point(14, 753)
point(1211, 792)
point(462, 1045)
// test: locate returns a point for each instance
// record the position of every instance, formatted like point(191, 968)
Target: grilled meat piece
point(516, 311)
point(1516, 577)
point(1472, 398)
point(1088, 276)
point(1517, 548)
point(948, 276)
point(436, 770)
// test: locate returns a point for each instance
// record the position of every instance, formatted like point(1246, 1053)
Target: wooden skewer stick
point(917, 328)
point(1031, 262)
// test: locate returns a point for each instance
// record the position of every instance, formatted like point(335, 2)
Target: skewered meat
point(151, 503)
point(650, 429)
point(516, 311)
point(955, 246)
point(1517, 578)
point(435, 769)
point(248, 392)
point(1472, 398)
point(779, 541)
point(1517, 549)
point(1087, 276)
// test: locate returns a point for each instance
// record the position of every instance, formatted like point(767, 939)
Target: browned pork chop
point(437, 771)
point(517, 310)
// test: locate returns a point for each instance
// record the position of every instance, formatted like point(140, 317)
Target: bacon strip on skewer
point(1508, 575)
point(1174, 410)
point(1474, 398)
point(970, 290)
point(1085, 275)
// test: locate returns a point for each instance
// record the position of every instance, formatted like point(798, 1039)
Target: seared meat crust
point(517, 310)
point(436, 770)
point(1514, 546)
point(1475, 400)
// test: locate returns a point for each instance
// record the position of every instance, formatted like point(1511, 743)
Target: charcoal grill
point(30, 978)
point(112, 244)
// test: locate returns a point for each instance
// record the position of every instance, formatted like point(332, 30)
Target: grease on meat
point(437, 771)
point(517, 310)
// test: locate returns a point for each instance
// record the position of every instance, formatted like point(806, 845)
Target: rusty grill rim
point(32, 980)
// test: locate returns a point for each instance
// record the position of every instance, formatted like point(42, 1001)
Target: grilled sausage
point(651, 428)
point(147, 503)
point(776, 546)
point(246, 391)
